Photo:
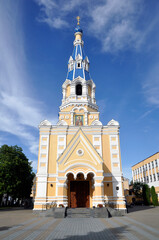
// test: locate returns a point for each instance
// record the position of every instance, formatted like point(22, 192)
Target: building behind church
point(147, 171)
point(79, 162)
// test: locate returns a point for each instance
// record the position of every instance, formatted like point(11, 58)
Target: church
point(79, 162)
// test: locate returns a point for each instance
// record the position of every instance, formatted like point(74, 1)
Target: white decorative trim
point(78, 103)
point(52, 175)
point(62, 123)
point(99, 184)
point(79, 164)
point(75, 173)
point(96, 122)
point(98, 159)
point(107, 174)
point(113, 123)
point(97, 143)
point(99, 178)
point(45, 123)
point(79, 109)
point(61, 144)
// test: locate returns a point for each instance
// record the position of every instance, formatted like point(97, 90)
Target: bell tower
point(79, 162)
point(78, 106)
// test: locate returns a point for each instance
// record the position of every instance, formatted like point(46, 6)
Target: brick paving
point(23, 225)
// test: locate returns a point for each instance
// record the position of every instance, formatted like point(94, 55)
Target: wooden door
point(79, 194)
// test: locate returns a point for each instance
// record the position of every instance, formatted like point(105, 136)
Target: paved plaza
point(142, 223)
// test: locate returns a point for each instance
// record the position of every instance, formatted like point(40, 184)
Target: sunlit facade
point(147, 171)
point(79, 163)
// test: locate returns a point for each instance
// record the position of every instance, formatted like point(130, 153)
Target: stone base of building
point(81, 212)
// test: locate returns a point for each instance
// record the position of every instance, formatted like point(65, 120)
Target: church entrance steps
point(78, 213)
point(87, 213)
point(100, 213)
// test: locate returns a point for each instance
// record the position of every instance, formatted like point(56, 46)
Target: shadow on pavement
point(15, 209)
point(106, 234)
point(138, 208)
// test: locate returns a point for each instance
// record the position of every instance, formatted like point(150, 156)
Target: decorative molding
point(45, 123)
point(62, 123)
point(96, 123)
point(80, 152)
point(113, 123)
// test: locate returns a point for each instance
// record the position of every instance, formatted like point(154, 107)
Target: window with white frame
point(152, 164)
point(154, 178)
point(150, 178)
point(147, 179)
point(156, 163)
point(158, 176)
point(149, 166)
point(78, 65)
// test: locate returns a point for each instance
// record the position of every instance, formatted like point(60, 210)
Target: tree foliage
point(137, 188)
point(146, 194)
point(16, 173)
point(154, 196)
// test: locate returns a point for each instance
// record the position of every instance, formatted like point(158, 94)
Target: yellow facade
point(147, 171)
point(79, 155)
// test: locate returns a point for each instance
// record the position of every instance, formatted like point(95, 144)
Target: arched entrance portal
point(80, 190)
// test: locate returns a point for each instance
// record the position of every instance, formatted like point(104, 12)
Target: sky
point(121, 41)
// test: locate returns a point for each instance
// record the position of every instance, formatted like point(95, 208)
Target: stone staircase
point(78, 213)
point(87, 213)
point(100, 213)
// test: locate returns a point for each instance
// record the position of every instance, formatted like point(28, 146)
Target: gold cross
point(78, 20)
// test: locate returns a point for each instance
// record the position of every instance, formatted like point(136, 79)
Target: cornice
point(78, 104)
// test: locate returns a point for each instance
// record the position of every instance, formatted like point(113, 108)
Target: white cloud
point(20, 113)
point(54, 14)
point(151, 86)
point(34, 164)
point(115, 23)
point(145, 114)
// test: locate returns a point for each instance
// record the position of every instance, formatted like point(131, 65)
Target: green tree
point(154, 196)
point(146, 194)
point(131, 182)
point(137, 188)
point(16, 175)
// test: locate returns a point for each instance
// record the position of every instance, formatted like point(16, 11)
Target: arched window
point(78, 89)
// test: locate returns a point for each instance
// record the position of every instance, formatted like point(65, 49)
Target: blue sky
point(121, 41)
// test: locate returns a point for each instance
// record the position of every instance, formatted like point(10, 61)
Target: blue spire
point(78, 64)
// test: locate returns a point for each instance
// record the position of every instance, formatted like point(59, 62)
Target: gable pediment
point(80, 151)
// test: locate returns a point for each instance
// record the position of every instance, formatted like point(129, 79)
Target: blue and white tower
point(79, 88)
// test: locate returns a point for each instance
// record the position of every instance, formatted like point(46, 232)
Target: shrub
point(138, 188)
point(154, 196)
point(61, 205)
point(100, 206)
point(146, 194)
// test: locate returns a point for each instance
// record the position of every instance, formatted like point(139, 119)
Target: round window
point(80, 152)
